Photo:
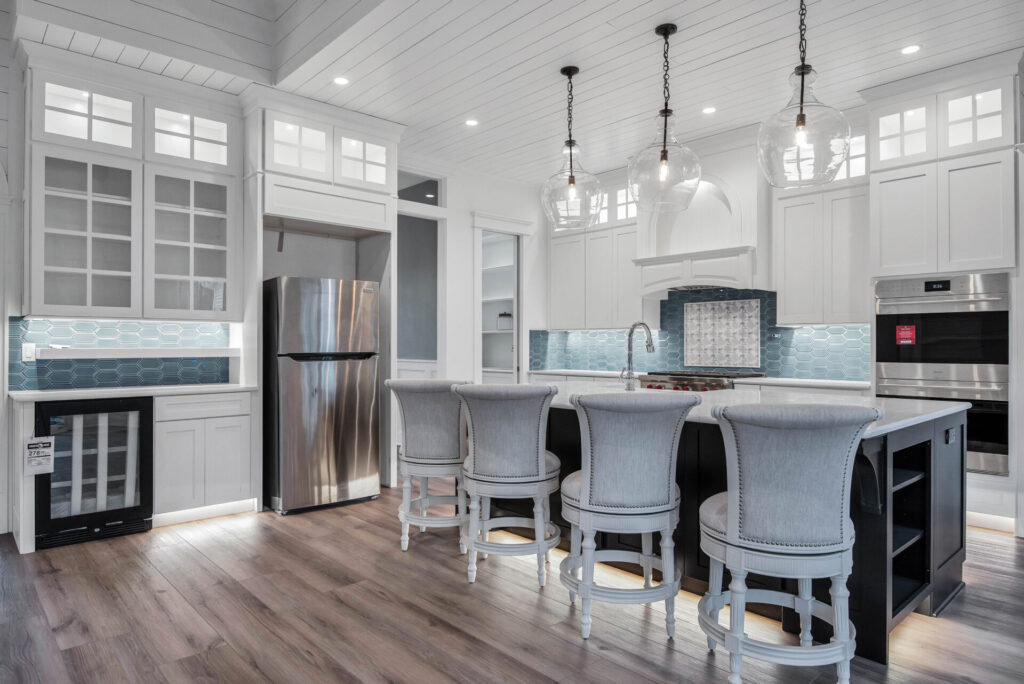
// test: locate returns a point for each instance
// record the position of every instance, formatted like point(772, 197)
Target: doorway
point(499, 303)
point(417, 298)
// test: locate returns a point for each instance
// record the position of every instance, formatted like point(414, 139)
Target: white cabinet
point(86, 234)
point(902, 132)
point(200, 461)
point(594, 282)
point(977, 212)
point(820, 257)
point(976, 117)
point(193, 245)
point(904, 230)
point(567, 282)
point(179, 133)
point(298, 146)
point(950, 216)
point(79, 113)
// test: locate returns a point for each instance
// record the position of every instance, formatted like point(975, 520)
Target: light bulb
point(801, 136)
point(572, 188)
point(663, 170)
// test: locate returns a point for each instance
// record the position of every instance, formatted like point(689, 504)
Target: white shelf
point(137, 353)
point(498, 370)
point(497, 269)
point(498, 332)
point(485, 300)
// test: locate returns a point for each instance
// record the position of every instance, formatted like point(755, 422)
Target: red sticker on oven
point(906, 334)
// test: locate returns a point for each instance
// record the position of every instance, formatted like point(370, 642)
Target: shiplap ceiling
point(432, 64)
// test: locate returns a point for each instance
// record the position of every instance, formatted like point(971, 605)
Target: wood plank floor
point(328, 596)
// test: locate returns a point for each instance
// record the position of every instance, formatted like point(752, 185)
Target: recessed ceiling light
point(471, 122)
point(430, 197)
point(709, 110)
point(910, 49)
point(340, 80)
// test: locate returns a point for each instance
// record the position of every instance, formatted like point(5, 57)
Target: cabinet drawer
point(186, 407)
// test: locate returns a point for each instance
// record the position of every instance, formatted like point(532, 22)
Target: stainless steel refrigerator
point(321, 406)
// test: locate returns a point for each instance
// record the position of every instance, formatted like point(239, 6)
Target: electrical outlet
point(28, 351)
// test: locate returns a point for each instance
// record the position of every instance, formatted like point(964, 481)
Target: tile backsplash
point(173, 369)
point(830, 352)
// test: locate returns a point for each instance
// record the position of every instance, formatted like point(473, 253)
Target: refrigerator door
point(321, 316)
point(328, 432)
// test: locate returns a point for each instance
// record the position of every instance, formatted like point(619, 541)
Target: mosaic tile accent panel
point(824, 352)
point(722, 333)
point(90, 373)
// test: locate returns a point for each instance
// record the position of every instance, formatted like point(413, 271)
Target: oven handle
point(945, 300)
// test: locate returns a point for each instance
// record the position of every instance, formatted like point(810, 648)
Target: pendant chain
point(569, 120)
point(665, 91)
point(803, 57)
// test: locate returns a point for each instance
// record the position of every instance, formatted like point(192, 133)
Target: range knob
point(703, 389)
point(676, 387)
point(659, 387)
point(650, 386)
point(686, 388)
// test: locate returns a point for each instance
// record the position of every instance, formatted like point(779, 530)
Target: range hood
point(726, 267)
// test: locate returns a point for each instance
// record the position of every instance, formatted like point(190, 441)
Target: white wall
point(309, 256)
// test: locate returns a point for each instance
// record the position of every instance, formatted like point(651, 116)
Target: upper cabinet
point(86, 234)
point(902, 133)
point(363, 163)
point(80, 114)
point(193, 137)
point(976, 117)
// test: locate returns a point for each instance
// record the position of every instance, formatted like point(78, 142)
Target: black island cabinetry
point(907, 507)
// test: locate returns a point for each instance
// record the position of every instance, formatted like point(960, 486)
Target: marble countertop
point(584, 373)
point(116, 392)
point(775, 382)
point(899, 413)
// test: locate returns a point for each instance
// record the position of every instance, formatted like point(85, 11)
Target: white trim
point(990, 522)
point(261, 96)
point(137, 353)
point(503, 224)
point(964, 73)
point(203, 512)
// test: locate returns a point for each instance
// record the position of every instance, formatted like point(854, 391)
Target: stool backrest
point(432, 427)
point(789, 470)
point(630, 442)
point(507, 430)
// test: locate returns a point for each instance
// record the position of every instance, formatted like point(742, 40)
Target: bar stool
point(507, 459)
point(433, 445)
point(630, 443)
point(786, 514)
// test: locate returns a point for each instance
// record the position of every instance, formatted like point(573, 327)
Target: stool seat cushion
point(573, 483)
point(714, 517)
point(552, 467)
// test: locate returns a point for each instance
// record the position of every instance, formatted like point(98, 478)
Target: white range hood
point(726, 267)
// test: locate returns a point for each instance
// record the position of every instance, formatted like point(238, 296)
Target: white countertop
point(899, 413)
point(583, 373)
point(811, 383)
point(116, 392)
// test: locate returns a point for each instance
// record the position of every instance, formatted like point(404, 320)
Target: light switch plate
point(28, 351)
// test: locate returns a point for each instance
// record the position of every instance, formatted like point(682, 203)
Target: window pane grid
point(189, 137)
point(87, 116)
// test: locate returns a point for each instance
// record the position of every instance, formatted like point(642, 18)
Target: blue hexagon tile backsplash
point(86, 373)
point(830, 352)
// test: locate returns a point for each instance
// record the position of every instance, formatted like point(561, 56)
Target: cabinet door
point(298, 146)
point(902, 133)
point(846, 283)
point(977, 212)
point(797, 259)
point(227, 459)
point(978, 117)
point(629, 304)
point(600, 280)
point(567, 283)
point(193, 245)
point(179, 480)
point(904, 235)
point(86, 235)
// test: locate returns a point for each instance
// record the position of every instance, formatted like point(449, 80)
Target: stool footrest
point(431, 520)
point(553, 536)
point(570, 564)
point(819, 654)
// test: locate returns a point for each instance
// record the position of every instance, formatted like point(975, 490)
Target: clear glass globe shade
point(664, 185)
point(572, 206)
point(794, 158)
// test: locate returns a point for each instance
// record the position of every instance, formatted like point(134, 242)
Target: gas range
point(694, 381)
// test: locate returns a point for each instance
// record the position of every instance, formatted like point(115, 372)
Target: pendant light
point(806, 143)
point(664, 176)
point(572, 198)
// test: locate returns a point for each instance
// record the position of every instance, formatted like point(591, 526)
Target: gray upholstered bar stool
point(630, 442)
point(508, 459)
point(786, 514)
point(433, 445)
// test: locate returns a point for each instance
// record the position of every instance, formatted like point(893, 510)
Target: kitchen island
point(907, 504)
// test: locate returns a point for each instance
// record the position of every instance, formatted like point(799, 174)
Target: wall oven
point(102, 480)
point(948, 338)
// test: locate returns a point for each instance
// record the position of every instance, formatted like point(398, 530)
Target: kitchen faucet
point(627, 373)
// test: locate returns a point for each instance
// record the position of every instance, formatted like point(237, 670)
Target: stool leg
point(460, 497)
point(575, 543)
point(715, 591)
point(738, 606)
point(474, 531)
point(423, 500)
point(647, 548)
point(668, 576)
point(404, 517)
point(547, 519)
point(540, 532)
point(841, 619)
point(804, 591)
point(587, 586)
point(486, 515)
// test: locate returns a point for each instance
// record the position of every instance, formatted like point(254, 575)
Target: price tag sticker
point(906, 334)
point(39, 455)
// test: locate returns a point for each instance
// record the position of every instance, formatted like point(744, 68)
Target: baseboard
point(203, 512)
point(990, 522)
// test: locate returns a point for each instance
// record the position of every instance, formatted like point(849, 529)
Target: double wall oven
point(948, 338)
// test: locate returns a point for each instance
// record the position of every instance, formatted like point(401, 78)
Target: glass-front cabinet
point(86, 238)
point(192, 246)
point(82, 114)
point(977, 117)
